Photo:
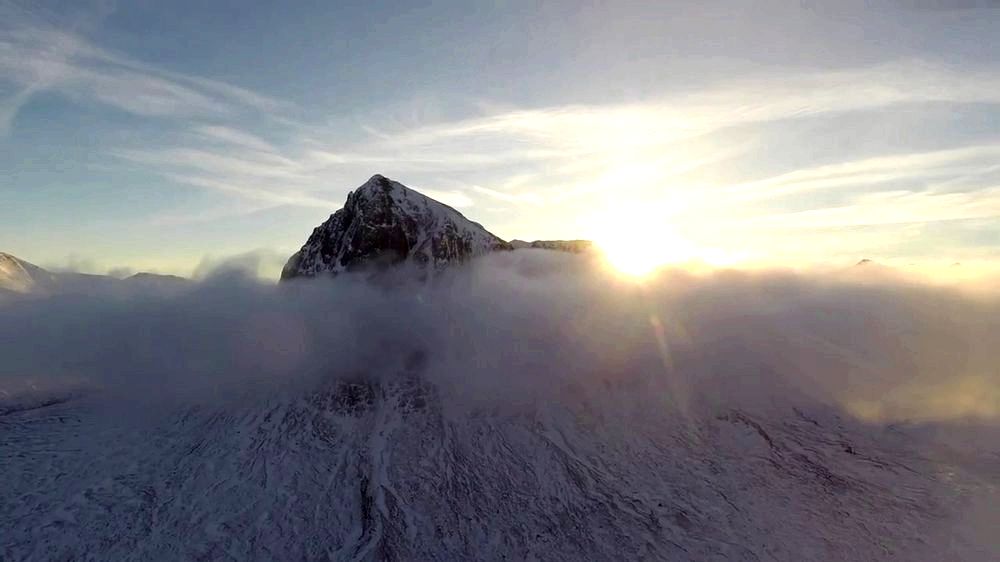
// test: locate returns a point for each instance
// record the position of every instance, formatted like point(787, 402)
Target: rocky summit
point(384, 222)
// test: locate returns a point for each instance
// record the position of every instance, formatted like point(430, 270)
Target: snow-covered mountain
point(385, 222)
point(533, 413)
point(18, 276)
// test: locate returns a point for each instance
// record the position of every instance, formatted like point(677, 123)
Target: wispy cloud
point(688, 153)
point(963, 162)
point(893, 207)
point(287, 197)
point(234, 137)
point(675, 148)
point(244, 164)
point(35, 57)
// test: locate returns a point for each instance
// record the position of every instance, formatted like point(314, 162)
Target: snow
point(19, 276)
point(386, 471)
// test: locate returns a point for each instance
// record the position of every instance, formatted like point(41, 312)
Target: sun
point(633, 260)
point(638, 248)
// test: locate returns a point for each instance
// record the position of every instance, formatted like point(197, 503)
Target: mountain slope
point(19, 276)
point(385, 222)
point(385, 471)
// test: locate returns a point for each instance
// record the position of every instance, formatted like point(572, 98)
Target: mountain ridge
point(384, 222)
point(19, 276)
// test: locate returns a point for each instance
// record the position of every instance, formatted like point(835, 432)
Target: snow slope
point(363, 471)
point(17, 275)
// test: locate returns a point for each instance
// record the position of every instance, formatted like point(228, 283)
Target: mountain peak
point(378, 182)
point(377, 179)
point(384, 222)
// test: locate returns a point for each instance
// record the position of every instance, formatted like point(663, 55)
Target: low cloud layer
point(528, 326)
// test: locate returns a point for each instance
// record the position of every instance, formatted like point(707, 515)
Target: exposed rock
point(384, 222)
point(572, 246)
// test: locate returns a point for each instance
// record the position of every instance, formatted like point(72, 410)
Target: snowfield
point(525, 407)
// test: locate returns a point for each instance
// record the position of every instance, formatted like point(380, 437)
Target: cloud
point(261, 263)
point(235, 137)
point(268, 195)
point(552, 154)
point(529, 198)
point(876, 170)
point(558, 153)
point(37, 57)
point(894, 207)
point(454, 198)
point(530, 325)
point(702, 156)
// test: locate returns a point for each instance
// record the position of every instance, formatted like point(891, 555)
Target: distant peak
point(571, 246)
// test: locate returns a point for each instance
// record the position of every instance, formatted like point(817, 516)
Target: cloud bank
point(529, 326)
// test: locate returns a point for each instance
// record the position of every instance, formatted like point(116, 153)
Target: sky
point(161, 136)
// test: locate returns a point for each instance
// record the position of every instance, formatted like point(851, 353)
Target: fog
point(526, 326)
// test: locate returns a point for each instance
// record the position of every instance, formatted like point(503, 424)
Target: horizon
point(136, 141)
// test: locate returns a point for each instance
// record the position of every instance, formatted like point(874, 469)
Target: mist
point(527, 326)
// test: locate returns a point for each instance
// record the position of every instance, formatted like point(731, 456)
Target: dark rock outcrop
point(572, 246)
point(384, 222)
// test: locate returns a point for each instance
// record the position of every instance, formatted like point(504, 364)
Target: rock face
point(384, 222)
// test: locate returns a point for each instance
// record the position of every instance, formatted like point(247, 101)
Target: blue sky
point(156, 135)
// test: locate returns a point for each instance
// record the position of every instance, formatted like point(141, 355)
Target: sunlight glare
point(639, 243)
